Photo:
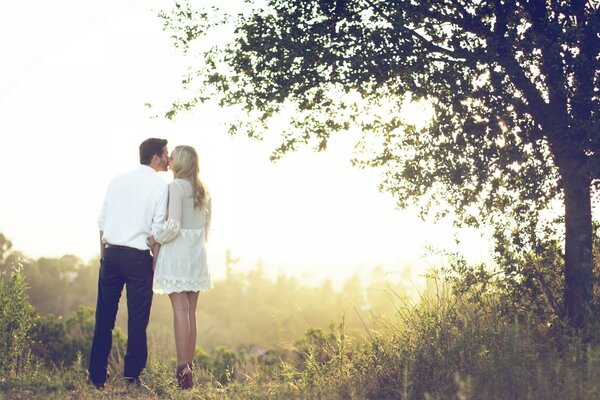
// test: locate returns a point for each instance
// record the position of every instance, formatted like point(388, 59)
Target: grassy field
point(443, 347)
point(442, 351)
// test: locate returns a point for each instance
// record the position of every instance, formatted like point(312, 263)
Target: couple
point(152, 239)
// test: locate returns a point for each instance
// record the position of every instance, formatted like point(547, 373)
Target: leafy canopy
point(509, 84)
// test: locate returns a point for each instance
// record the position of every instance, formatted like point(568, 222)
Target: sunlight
point(309, 215)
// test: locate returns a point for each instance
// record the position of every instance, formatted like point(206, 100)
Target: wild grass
point(443, 347)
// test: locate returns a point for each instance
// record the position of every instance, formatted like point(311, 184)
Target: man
point(134, 206)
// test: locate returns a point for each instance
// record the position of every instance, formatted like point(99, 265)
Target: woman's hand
point(151, 241)
point(155, 250)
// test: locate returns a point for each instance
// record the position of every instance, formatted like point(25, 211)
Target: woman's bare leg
point(192, 298)
point(181, 325)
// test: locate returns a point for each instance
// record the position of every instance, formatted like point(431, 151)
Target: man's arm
point(160, 209)
point(101, 245)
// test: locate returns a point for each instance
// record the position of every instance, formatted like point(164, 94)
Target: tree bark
point(579, 277)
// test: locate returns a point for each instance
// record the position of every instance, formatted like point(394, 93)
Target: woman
point(181, 269)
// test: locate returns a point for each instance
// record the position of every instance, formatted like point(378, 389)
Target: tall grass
point(447, 347)
point(443, 347)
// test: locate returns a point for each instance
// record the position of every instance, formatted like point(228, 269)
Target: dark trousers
point(133, 269)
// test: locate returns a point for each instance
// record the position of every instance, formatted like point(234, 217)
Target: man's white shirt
point(134, 208)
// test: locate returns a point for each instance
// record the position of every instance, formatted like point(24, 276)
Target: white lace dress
point(181, 265)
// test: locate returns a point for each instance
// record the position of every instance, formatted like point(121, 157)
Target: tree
point(5, 246)
point(512, 86)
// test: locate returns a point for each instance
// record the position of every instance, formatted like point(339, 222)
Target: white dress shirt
point(134, 208)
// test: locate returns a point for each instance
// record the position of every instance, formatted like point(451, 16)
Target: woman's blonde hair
point(186, 166)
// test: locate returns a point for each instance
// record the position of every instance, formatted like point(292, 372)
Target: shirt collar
point(146, 168)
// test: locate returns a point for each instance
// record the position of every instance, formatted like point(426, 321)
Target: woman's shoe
point(189, 378)
point(179, 374)
point(184, 377)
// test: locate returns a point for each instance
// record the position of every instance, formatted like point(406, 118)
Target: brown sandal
point(184, 376)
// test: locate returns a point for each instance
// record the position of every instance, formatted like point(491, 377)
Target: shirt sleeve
point(160, 210)
point(102, 216)
point(169, 229)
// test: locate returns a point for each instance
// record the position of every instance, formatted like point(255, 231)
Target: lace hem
point(166, 286)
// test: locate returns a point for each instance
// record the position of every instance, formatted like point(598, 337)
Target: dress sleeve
point(208, 218)
point(172, 226)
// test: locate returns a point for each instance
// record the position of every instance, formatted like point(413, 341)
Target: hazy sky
point(73, 82)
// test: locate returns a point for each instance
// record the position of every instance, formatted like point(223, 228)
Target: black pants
point(119, 267)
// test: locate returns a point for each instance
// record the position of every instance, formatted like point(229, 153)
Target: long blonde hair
point(186, 166)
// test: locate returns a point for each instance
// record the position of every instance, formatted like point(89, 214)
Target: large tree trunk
point(578, 242)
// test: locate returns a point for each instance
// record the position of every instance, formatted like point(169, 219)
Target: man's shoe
point(98, 385)
point(133, 381)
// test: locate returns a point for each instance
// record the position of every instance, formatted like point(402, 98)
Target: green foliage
point(160, 378)
point(447, 346)
point(270, 312)
point(50, 342)
point(480, 336)
point(17, 317)
point(5, 247)
point(225, 362)
point(328, 66)
point(512, 88)
point(202, 359)
point(58, 342)
point(444, 347)
point(60, 285)
point(523, 283)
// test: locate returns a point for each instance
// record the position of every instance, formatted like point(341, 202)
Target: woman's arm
point(208, 218)
point(172, 226)
point(155, 250)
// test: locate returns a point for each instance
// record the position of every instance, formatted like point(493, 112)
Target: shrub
point(17, 317)
point(58, 342)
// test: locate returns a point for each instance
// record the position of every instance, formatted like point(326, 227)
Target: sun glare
point(76, 112)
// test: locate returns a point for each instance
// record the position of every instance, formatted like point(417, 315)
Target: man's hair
point(150, 147)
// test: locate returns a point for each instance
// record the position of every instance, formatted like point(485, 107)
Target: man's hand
point(101, 245)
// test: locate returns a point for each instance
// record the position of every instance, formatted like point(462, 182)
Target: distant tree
point(5, 247)
point(353, 293)
point(52, 284)
point(512, 85)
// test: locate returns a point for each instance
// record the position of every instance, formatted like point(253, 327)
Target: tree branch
point(548, 292)
point(467, 21)
point(538, 107)
point(595, 161)
point(420, 38)
point(578, 8)
point(551, 63)
point(585, 66)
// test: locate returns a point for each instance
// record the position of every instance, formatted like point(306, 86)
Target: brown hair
point(149, 148)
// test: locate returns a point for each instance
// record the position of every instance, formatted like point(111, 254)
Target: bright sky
point(73, 82)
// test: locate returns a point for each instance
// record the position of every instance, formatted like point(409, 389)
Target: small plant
point(17, 317)
point(160, 378)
